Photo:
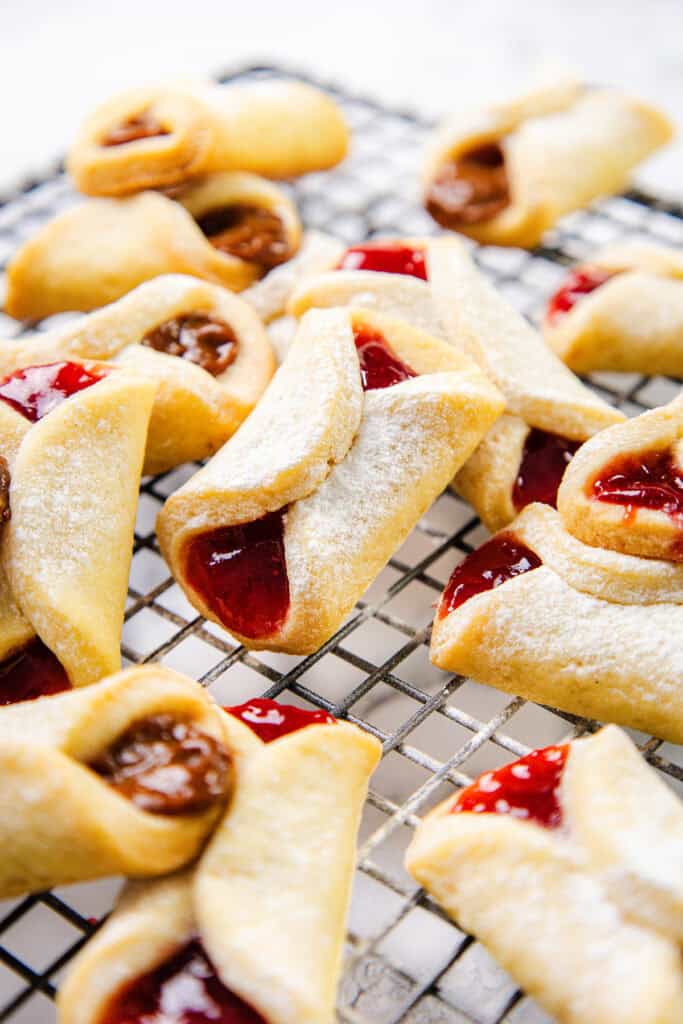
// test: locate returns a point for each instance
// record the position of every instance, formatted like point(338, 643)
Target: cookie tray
point(406, 963)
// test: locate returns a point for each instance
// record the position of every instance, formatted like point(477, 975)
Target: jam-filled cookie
point(254, 933)
point(73, 440)
point(126, 777)
point(205, 348)
point(433, 284)
point(504, 174)
point(536, 612)
point(361, 428)
point(230, 229)
point(621, 310)
point(166, 136)
point(567, 865)
point(624, 490)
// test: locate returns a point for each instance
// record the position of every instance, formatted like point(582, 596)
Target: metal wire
point(406, 962)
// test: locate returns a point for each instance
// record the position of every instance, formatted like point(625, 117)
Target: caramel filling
point(140, 126)
point(247, 232)
point(5, 512)
point(204, 340)
point(166, 766)
point(471, 189)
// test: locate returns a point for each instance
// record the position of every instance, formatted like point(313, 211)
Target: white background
point(58, 59)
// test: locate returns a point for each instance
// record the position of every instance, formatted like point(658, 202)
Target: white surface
point(58, 58)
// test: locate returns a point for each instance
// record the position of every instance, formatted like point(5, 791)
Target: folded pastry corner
point(621, 310)
point(254, 932)
point(165, 136)
point(434, 285)
point(205, 349)
point(126, 777)
point(567, 864)
point(536, 612)
point(361, 428)
point(504, 174)
point(74, 439)
point(229, 229)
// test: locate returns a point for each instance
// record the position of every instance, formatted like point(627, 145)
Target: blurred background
point(59, 59)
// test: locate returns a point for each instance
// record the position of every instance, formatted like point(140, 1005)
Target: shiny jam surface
point(471, 189)
point(250, 233)
point(388, 257)
point(33, 671)
point(578, 283)
point(240, 572)
point(185, 989)
point(270, 720)
point(166, 766)
point(37, 390)
point(204, 340)
point(141, 126)
point(650, 480)
point(380, 367)
point(544, 460)
point(495, 562)
point(526, 789)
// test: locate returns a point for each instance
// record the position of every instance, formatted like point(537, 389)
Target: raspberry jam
point(380, 367)
point(37, 390)
point(526, 789)
point(651, 480)
point(140, 126)
point(387, 257)
point(499, 560)
point(578, 283)
point(270, 720)
point(183, 990)
point(471, 189)
point(544, 460)
point(240, 572)
point(32, 671)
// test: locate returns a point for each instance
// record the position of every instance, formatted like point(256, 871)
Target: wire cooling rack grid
point(406, 963)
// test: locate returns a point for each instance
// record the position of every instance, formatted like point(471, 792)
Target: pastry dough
point(66, 550)
point(590, 631)
point(586, 918)
point(341, 476)
point(624, 489)
point(195, 409)
point(279, 129)
point(458, 304)
point(60, 821)
point(268, 899)
point(101, 249)
point(633, 322)
point(558, 148)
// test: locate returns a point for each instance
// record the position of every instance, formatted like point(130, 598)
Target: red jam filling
point(499, 560)
point(270, 720)
point(388, 257)
point(240, 572)
point(544, 460)
point(380, 367)
point(579, 282)
point(185, 989)
point(526, 789)
point(37, 390)
point(651, 480)
point(33, 671)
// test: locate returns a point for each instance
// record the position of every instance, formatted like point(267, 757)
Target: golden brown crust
point(194, 412)
point(96, 252)
point(278, 129)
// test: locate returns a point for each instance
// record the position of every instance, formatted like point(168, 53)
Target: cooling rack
point(405, 961)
